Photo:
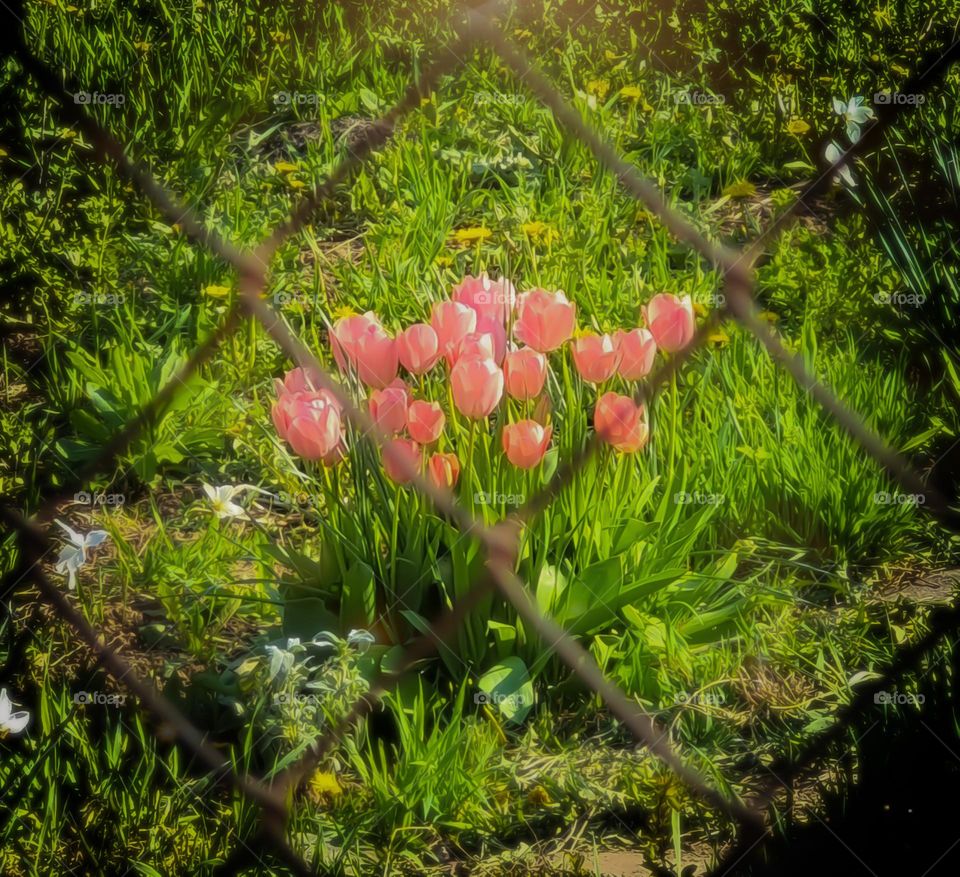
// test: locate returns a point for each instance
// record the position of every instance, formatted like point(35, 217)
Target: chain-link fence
point(478, 28)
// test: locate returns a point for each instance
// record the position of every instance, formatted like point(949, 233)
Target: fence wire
point(479, 29)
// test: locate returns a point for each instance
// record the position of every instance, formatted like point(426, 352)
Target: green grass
point(757, 592)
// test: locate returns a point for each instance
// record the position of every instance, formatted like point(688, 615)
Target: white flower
point(832, 153)
point(221, 499)
point(11, 722)
point(854, 113)
point(74, 555)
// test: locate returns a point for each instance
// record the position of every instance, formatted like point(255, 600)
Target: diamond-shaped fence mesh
point(479, 30)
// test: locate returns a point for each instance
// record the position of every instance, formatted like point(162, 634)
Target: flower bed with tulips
point(485, 399)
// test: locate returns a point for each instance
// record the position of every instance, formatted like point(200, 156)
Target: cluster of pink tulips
point(469, 337)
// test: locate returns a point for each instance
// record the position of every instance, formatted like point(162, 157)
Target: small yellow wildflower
point(443, 261)
point(473, 235)
point(768, 316)
point(718, 337)
point(323, 787)
point(598, 87)
point(539, 232)
point(740, 189)
point(631, 92)
point(285, 167)
point(341, 312)
point(215, 291)
point(142, 46)
point(797, 127)
point(295, 184)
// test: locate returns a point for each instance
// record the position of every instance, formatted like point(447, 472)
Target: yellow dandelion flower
point(323, 787)
point(740, 189)
point(797, 127)
point(215, 291)
point(718, 337)
point(598, 87)
point(768, 316)
point(539, 232)
point(473, 235)
point(285, 167)
point(341, 312)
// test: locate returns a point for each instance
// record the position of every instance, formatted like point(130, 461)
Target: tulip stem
point(673, 423)
point(470, 463)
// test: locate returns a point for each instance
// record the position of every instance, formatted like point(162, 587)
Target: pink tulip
point(524, 372)
point(418, 348)
point(498, 336)
point(310, 423)
point(401, 460)
point(670, 320)
point(452, 321)
point(595, 357)
point(620, 422)
point(425, 421)
point(388, 407)
point(444, 470)
point(637, 351)
point(493, 300)
point(472, 344)
point(545, 320)
point(526, 442)
point(477, 386)
point(361, 342)
point(300, 380)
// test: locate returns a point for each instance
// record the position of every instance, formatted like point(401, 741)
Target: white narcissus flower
point(11, 722)
point(74, 554)
point(854, 113)
point(221, 499)
point(832, 153)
